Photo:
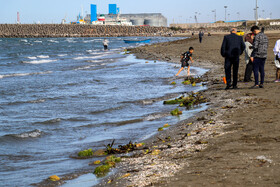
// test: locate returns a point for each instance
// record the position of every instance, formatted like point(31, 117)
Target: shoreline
point(166, 82)
point(194, 141)
point(200, 151)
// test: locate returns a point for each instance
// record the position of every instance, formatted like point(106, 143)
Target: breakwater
point(60, 30)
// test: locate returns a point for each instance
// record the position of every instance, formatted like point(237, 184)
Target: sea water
point(59, 96)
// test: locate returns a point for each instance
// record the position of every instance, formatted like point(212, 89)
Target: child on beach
point(185, 58)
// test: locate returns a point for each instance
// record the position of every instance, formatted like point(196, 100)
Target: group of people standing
point(255, 47)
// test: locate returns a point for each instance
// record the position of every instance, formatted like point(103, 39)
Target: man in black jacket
point(232, 47)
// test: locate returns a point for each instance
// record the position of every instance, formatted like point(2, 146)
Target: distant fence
point(227, 24)
point(206, 25)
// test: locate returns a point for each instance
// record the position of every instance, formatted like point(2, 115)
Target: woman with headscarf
point(276, 51)
point(249, 40)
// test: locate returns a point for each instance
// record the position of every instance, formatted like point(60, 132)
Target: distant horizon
point(179, 11)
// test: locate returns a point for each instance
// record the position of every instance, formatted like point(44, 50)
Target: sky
point(176, 11)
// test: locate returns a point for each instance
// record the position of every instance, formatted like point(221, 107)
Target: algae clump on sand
point(110, 162)
point(102, 171)
point(85, 153)
point(176, 112)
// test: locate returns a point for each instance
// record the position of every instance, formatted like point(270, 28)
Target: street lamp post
point(215, 15)
point(238, 14)
point(225, 13)
point(257, 12)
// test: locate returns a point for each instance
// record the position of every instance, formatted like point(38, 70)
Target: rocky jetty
point(60, 30)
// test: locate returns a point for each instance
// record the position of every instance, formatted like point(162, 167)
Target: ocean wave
point(22, 102)
point(84, 67)
point(38, 61)
point(24, 74)
point(113, 124)
point(32, 57)
point(61, 55)
point(43, 56)
point(78, 119)
point(92, 50)
point(51, 121)
point(30, 134)
point(95, 61)
point(88, 41)
point(24, 40)
point(89, 57)
point(107, 110)
point(152, 117)
point(69, 40)
point(53, 41)
point(37, 101)
point(38, 41)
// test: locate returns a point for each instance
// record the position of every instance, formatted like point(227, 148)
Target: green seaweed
point(122, 148)
point(113, 159)
point(102, 171)
point(110, 162)
point(175, 101)
point(188, 101)
point(176, 112)
point(187, 82)
point(85, 153)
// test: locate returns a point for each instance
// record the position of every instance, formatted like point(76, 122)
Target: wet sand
point(235, 142)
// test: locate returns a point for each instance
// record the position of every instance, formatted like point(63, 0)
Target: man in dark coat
point(232, 47)
point(200, 35)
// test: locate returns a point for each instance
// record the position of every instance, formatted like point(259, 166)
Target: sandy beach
point(233, 143)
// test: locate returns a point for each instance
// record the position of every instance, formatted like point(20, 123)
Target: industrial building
point(149, 19)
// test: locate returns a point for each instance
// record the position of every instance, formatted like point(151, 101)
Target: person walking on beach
point(105, 44)
point(232, 47)
point(259, 55)
point(276, 51)
point(200, 35)
point(249, 40)
point(185, 58)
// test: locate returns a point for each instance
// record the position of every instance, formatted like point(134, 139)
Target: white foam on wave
point(61, 55)
point(31, 134)
point(152, 117)
point(37, 101)
point(53, 41)
point(93, 51)
point(95, 61)
point(89, 57)
point(24, 74)
point(38, 41)
point(84, 67)
point(38, 61)
point(88, 41)
point(43, 56)
point(32, 57)
point(70, 40)
point(24, 41)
